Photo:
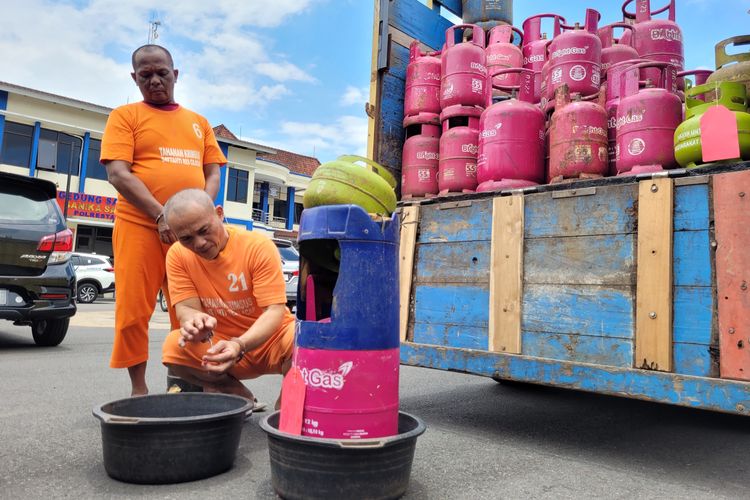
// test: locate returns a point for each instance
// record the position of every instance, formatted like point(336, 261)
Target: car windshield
point(28, 206)
point(288, 253)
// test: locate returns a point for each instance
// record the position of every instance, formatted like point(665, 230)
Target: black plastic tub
point(171, 438)
point(310, 468)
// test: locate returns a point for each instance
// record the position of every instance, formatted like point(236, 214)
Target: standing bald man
point(151, 150)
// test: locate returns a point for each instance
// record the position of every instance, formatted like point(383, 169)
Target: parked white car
point(94, 274)
point(290, 267)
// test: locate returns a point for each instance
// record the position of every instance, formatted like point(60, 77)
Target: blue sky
point(287, 73)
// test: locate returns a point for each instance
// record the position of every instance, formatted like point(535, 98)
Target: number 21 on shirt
point(237, 283)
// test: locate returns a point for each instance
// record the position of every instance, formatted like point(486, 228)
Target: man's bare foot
point(139, 391)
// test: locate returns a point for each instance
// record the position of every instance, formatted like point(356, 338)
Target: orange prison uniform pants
point(262, 360)
point(140, 271)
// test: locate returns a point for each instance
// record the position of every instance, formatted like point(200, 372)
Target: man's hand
point(221, 357)
point(166, 235)
point(196, 328)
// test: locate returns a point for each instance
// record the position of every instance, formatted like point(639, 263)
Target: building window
point(279, 208)
point(237, 185)
point(17, 140)
point(59, 152)
point(298, 207)
point(94, 169)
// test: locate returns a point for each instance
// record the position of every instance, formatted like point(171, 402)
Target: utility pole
point(153, 34)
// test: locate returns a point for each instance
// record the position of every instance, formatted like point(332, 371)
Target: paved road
point(484, 440)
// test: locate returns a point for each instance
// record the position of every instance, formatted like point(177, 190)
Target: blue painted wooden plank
point(460, 262)
point(611, 210)
point(691, 207)
point(693, 315)
point(693, 359)
point(684, 390)
point(417, 21)
point(472, 223)
point(452, 305)
point(464, 337)
point(578, 348)
point(398, 60)
point(588, 260)
point(390, 129)
point(452, 5)
point(592, 310)
point(692, 258)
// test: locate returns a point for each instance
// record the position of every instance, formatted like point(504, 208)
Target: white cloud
point(283, 71)
point(60, 48)
point(353, 95)
point(345, 135)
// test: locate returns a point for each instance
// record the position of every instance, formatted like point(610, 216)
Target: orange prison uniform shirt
point(233, 288)
point(167, 150)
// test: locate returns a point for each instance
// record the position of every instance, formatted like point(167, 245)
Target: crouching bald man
point(229, 296)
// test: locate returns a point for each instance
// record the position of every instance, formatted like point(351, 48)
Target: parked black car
point(37, 281)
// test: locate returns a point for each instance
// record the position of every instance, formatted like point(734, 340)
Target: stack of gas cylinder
point(517, 108)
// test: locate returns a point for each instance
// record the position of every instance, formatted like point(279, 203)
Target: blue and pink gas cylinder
point(347, 341)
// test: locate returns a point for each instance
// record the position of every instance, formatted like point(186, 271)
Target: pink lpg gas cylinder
point(463, 68)
point(575, 59)
point(613, 50)
point(535, 46)
point(578, 138)
point(614, 77)
point(339, 381)
point(647, 120)
point(656, 39)
point(511, 137)
point(502, 53)
point(422, 82)
point(458, 149)
point(419, 161)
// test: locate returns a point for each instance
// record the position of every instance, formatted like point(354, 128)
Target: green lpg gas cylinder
point(352, 180)
point(687, 138)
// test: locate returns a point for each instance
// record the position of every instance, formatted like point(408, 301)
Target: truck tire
point(49, 332)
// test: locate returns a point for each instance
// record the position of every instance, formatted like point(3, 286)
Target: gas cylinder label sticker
point(557, 75)
point(636, 146)
point(577, 73)
point(448, 174)
point(427, 155)
point(423, 175)
point(582, 153)
point(477, 86)
point(569, 51)
point(327, 379)
point(595, 78)
point(311, 428)
point(537, 58)
point(448, 91)
point(498, 57)
point(471, 170)
point(668, 34)
point(478, 67)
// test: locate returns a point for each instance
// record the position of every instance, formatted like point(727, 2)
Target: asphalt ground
point(484, 439)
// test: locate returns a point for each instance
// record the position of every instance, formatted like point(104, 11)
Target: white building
point(59, 139)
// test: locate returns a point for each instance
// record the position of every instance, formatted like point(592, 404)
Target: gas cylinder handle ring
point(624, 26)
point(723, 58)
point(631, 15)
point(519, 87)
